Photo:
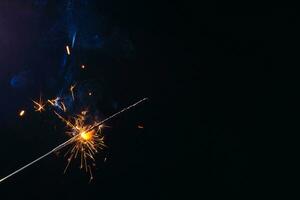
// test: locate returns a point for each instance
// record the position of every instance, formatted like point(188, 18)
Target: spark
point(121, 111)
point(140, 126)
point(63, 106)
point(22, 113)
point(54, 102)
point(39, 105)
point(82, 66)
point(72, 90)
point(89, 141)
point(90, 94)
point(73, 39)
point(57, 102)
point(68, 50)
point(92, 132)
point(83, 112)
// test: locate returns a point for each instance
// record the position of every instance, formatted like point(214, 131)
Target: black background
point(213, 73)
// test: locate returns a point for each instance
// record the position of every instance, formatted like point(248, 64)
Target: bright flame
point(87, 135)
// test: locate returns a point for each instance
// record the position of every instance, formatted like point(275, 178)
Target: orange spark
point(84, 112)
point(72, 91)
point(22, 113)
point(63, 106)
point(54, 102)
point(39, 106)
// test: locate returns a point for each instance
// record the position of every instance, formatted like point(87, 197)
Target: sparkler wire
point(38, 159)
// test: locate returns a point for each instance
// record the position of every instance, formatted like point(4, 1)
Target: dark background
point(213, 75)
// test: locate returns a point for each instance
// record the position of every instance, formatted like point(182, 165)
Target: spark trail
point(62, 145)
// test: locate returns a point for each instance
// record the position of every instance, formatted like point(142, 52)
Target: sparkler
point(86, 140)
point(86, 145)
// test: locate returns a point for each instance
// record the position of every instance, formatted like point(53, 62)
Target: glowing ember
point(72, 91)
point(22, 113)
point(39, 106)
point(68, 50)
point(140, 126)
